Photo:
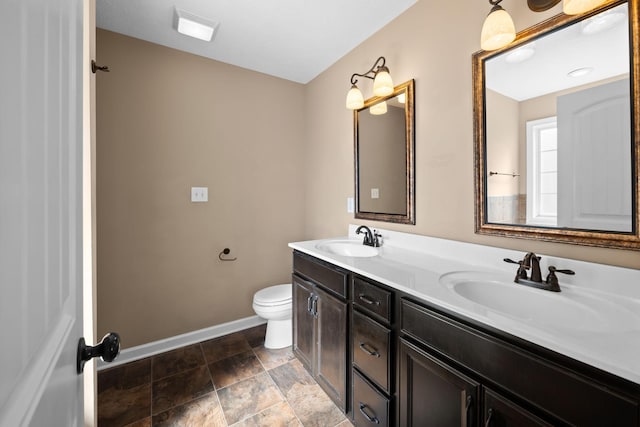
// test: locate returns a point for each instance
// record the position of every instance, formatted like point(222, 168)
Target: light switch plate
point(350, 205)
point(199, 194)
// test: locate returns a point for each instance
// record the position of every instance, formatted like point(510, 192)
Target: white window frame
point(534, 128)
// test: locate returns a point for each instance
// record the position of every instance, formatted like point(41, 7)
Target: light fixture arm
point(377, 66)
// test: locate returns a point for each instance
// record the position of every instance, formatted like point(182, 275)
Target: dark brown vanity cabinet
point(320, 324)
point(372, 349)
point(396, 360)
point(442, 356)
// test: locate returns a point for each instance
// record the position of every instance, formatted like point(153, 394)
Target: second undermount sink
point(350, 248)
point(569, 309)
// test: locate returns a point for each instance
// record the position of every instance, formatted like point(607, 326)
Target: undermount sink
point(350, 248)
point(568, 309)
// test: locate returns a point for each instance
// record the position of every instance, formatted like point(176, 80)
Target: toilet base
point(279, 334)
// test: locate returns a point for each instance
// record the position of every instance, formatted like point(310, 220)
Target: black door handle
point(107, 350)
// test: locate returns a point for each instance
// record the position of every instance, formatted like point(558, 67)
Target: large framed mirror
point(384, 157)
point(556, 128)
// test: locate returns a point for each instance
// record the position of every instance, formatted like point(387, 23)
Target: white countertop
point(607, 337)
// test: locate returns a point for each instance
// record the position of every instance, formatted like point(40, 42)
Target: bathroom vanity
point(413, 336)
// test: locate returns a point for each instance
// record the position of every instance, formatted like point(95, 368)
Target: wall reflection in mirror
point(383, 131)
point(558, 128)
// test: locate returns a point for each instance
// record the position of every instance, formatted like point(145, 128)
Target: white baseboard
point(160, 346)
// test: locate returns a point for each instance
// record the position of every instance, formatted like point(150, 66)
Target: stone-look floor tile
point(273, 358)
point(279, 415)
point(142, 423)
point(235, 368)
point(255, 335)
point(223, 347)
point(118, 407)
point(313, 407)
point(125, 376)
point(176, 361)
point(124, 393)
point(244, 399)
point(345, 423)
point(289, 375)
point(180, 388)
point(204, 411)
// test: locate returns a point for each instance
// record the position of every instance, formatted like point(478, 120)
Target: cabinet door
point(432, 393)
point(331, 362)
point(501, 412)
point(304, 335)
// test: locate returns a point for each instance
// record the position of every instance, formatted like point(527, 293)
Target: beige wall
point(278, 160)
point(503, 153)
point(432, 42)
point(166, 121)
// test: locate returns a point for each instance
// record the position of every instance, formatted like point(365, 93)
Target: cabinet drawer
point(371, 343)
point(370, 407)
point(576, 398)
point(372, 298)
point(323, 274)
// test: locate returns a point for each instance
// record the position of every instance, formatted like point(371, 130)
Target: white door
point(594, 158)
point(41, 211)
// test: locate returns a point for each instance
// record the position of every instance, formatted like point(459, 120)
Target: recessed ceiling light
point(603, 21)
point(195, 26)
point(521, 54)
point(579, 72)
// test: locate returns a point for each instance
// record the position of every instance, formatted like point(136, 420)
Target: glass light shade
point(382, 84)
point(576, 7)
point(378, 109)
point(498, 30)
point(355, 100)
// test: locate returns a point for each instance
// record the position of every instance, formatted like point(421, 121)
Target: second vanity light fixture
point(498, 29)
point(382, 84)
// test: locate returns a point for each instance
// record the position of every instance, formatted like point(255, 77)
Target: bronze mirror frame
point(609, 239)
point(409, 217)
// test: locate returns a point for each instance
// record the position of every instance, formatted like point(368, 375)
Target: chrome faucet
point(370, 238)
point(532, 262)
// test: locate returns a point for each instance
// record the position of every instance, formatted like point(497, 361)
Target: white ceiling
point(606, 52)
point(291, 39)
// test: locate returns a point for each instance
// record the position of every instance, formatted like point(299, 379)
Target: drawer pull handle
point(373, 352)
point(372, 419)
point(368, 300)
point(489, 416)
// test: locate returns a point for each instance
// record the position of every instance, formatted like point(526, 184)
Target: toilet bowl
point(275, 304)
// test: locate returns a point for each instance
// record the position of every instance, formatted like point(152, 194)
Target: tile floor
point(228, 381)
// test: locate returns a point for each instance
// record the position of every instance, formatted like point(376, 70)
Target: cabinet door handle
point(467, 407)
point(489, 416)
point(309, 304)
point(368, 300)
point(372, 419)
point(374, 352)
point(314, 306)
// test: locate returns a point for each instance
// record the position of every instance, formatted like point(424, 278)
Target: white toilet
point(274, 304)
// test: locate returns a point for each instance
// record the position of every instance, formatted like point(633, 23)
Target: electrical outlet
point(375, 193)
point(199, 194)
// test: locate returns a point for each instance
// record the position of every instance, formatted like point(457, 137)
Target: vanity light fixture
point(194, 26)
point(498, 29)
point(382, 84)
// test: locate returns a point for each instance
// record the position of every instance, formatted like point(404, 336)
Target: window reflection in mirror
point(383, 131)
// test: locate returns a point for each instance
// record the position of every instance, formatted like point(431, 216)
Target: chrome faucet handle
point(377, 239)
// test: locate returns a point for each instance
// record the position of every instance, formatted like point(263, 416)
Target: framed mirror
point(384, 157)
point(556, 128)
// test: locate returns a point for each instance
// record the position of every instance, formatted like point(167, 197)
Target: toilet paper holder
point(222, 255)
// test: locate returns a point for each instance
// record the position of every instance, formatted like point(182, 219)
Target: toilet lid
point(273, 295)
